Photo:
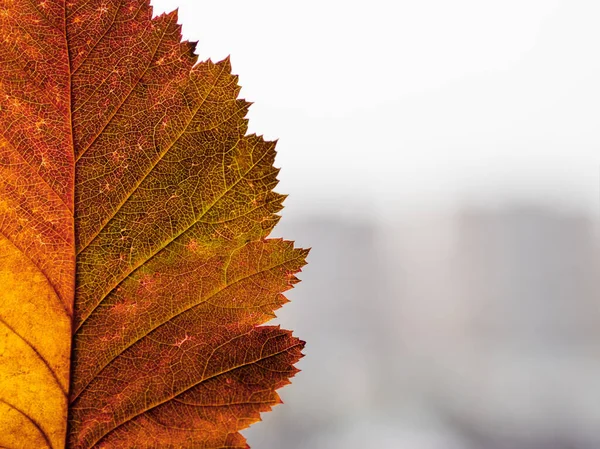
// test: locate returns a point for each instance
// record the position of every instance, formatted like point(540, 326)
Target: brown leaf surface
point(37, 263)
point(134, 216)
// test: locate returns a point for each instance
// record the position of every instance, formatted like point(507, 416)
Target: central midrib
point(71, 207)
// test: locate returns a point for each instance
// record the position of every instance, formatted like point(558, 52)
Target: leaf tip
point(174, 15)
point(226, 62)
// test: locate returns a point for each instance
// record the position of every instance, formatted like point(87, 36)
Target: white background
point(406, 104)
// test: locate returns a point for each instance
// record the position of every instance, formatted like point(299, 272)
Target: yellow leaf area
point(135, 269)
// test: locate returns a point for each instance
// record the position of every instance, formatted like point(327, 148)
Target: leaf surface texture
point(134, 260)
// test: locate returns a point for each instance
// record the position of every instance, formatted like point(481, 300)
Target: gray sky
point(406, 104)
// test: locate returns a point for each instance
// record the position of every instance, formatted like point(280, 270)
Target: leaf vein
point(217, 374)
point(151, 168)
point(118, 108)
point(32, 421)
point(93, 47)
point(42, 271)
point(42, 15)
point(38, 355)
point(16, 151)
point(171, 240)
point(167, 320)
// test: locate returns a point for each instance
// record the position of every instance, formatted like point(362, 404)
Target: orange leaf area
point(134, 261)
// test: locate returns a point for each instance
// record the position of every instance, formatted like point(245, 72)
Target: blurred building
point(338, 312)
point(528, 281)
point(474, 330)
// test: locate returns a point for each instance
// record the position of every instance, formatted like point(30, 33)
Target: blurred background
point(443, 162)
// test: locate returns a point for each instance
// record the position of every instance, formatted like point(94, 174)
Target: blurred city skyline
point(473, 330)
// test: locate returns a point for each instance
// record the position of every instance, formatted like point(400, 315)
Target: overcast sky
point(417, 104)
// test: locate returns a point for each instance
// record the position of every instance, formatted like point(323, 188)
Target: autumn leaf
point(135, 269)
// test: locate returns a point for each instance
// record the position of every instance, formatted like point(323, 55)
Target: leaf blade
point(165, 227)
point(133, 206)
point(37, 262)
